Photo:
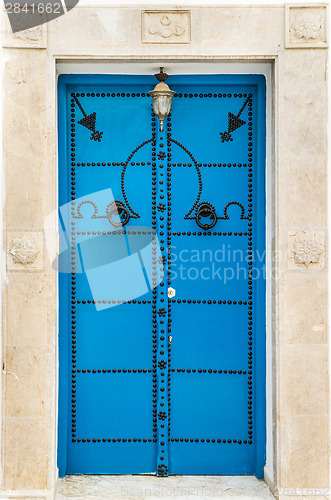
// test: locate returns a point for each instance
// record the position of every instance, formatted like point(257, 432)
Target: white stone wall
point(294, 39)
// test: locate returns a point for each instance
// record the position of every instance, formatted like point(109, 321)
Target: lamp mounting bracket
point(161, 76)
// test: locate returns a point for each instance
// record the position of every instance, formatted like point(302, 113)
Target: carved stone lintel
point(166, 26)
point(33, 38)
point(24, 250)
point(306, 250)
point(306, 26)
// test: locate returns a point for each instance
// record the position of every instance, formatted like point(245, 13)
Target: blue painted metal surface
point(151, 384)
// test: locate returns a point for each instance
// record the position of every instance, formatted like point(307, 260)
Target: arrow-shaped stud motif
point(234, 122)
point(89, 122)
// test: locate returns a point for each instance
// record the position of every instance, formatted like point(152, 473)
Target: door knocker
point(118, 209)
point(205, 215)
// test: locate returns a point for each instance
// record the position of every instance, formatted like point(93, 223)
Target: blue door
point(162, 276)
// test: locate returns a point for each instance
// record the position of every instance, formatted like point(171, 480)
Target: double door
point(162, 279)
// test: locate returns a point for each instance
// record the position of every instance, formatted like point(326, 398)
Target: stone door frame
point(300, 345)
point(201, 66)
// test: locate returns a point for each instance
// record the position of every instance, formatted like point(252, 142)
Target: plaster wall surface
point(294, 39)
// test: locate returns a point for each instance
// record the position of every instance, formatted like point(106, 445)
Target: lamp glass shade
point(161, 101)
point(161, 105)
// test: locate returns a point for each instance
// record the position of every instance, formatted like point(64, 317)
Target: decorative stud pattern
point(162, 312)
point(160, 221)
point(115, 440)
point(162, 470)
point(187, 216)
point(134, 214)
point(210, 440)
point(89, 122)
point(73, 331)
point(242, 215)
point(154, 285)
point(93, 216)
point(162, 260)
point(209, 233)
point(250, 319)
point(169, 235)
point(227, 165)
point(114, 370)
point(161, 305)
point(234, 122)
point(113, 301)
point(133, 233)
point(209, 370)
point(209, 302)
point(161, 207)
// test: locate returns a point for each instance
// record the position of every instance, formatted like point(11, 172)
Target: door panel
point(195, 265)
point(113, 343)
point(103, 397)
point(192, 397)
point(151, 384)
point(208, 337)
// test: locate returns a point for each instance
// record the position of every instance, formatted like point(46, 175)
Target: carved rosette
point(306, 26)
point(24, 251)
point(306, 250)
